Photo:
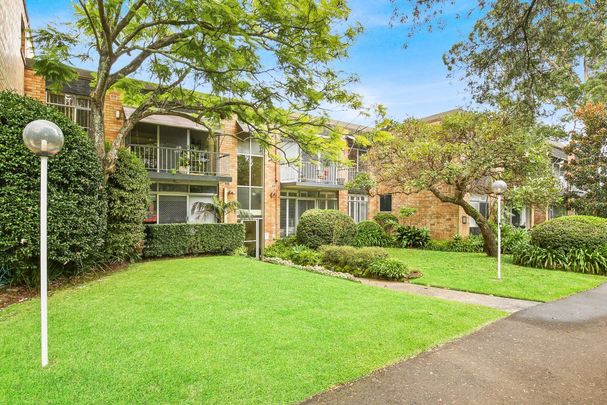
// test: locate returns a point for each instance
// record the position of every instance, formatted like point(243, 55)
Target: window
point(358, 206)
point(520, 218)
point(385, 203)
point(172, 209)
point(76, 108)
point(249, 177)
point(174, 202)
point(293, 203)
point(481, 204)
point(555, 211)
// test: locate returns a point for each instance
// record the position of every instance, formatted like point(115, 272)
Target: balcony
point(181, 163)
point(312, 174)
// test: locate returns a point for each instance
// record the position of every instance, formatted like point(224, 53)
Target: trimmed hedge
point(128, 192)
point(191, 239)
point(571, 232)
point(77, 205)
point(371, 234)
point(325, 227)
point(373, 262)
point(470, 244)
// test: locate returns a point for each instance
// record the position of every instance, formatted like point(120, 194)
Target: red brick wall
point(34, 85)
point(113, 105)
point(229, 144)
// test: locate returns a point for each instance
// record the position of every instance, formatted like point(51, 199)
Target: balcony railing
point(181, 160)
point(352, 172)
point(308, 172)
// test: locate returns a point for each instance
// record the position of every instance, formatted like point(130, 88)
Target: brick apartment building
point(188, 166)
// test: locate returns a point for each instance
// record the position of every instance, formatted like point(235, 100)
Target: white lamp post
point(45, 139)
point(499, 187)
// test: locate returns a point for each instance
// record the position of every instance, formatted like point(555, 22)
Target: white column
point(43, 269)
point(499, 236)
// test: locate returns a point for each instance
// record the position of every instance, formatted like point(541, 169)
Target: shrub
point(190, 239)
point(389, 269)
point(370, 233)
point(304, 256)
point(572, 232)
point(580, 260)
point(128, 192)
point(348, 259)
point(77, 205)
point(386, 220)
point(470, 244)
point(325, 227)
point(282, 248)
point(411, 236)
point(512, 237)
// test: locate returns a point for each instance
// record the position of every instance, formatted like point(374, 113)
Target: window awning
point(168, 121)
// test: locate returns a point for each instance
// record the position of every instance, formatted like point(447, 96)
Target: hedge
point(128, 192)
point(318, 227)
point(77, 205)
point(571, 232)
point(371, 262)
point(191, 239)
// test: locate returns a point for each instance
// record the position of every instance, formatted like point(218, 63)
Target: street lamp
point(44, 139)
point(499, 187)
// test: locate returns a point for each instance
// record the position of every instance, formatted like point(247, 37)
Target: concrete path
point(505, 304)
point(554, 353)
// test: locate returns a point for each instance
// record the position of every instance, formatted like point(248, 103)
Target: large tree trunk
point(97, 130)
point(490, 243)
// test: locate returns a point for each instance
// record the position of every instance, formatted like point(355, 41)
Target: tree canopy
point(587, 168)
point(537, 56)
point(267, 63)
point(461, 155)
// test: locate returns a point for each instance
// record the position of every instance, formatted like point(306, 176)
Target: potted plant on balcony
point(184, 163)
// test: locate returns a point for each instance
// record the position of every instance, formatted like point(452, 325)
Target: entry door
point(252, 236)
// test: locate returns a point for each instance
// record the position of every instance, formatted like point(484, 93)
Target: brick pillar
point(539, 216)
point(271, 207)
point(373, 207)
point(34, 85)
point(229, 144)
point(113, 115)
point(342, 201)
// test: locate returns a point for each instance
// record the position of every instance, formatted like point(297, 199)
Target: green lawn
point(216, 330)
point(478, 273)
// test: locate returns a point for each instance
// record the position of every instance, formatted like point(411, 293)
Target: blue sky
point(409, 81)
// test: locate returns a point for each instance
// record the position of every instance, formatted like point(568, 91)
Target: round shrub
point(325, 227)
point(386, 220)
point(389, 269)
point(571, 232)
point(128, 193)
point(370, 233)
point(77, 204)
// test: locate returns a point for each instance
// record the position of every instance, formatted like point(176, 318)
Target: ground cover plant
point(476, 272)
point(216, 330)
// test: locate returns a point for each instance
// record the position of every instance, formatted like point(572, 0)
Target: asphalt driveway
point(548, 354)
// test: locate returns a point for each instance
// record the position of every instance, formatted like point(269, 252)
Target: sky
point(410, 81)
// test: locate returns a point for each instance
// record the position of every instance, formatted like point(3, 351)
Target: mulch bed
point(13, 295)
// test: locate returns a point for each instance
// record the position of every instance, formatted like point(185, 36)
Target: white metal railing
point(181, 160)
point(308, 172)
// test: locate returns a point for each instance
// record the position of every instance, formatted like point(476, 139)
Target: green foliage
point(387, 221)
point(288, 249)
point(128, 193)
point(361, 183)
point(325, 227)
point(450, 157)
point(218, 208)
point(371, 234)
point(571, 232)
point(77, 205)
point(470, 244)
point(227, 47)
point(191, 239)
point(581, 260)
point(587, 168)
point(512, 237)
point(348, 259)
point(406, 212)
point(389, 269)
point(412, 236)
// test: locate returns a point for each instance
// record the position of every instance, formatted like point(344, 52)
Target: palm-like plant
point(218, 208)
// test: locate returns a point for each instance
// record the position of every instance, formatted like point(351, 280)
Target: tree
point(461, 155)
point(587, 168)
point(268, 63)
point(218, 208)
point(537, 56)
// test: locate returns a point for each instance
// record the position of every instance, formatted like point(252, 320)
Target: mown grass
point(216, 330)
point(476, 272)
